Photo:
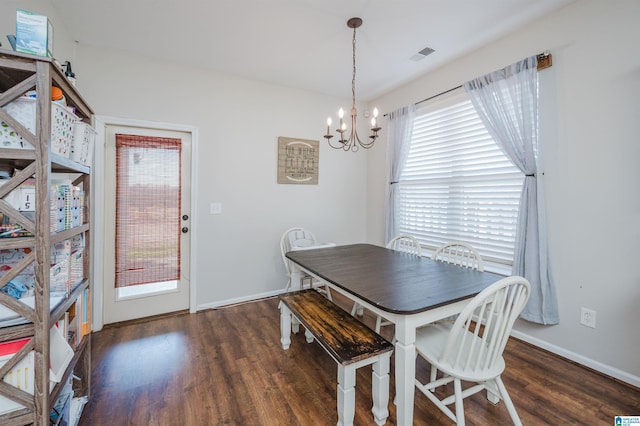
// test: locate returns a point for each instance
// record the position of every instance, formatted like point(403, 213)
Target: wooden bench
point(349, 342)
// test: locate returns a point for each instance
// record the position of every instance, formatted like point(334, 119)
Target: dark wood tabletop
point(394, 281)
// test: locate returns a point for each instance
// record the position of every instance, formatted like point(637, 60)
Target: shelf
point(16, 67)
point(21, 158)
point(79, 352)
point(59, 310)
point(24, 242)
point(16, 332)
point(68, 233)
point(17, 418)
point(20, 327)
point(20, 73)
point(25, 416)
point(17, 243)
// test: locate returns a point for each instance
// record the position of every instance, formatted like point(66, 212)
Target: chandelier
point(353, 141)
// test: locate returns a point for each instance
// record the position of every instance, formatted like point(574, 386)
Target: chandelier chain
point(353, 80)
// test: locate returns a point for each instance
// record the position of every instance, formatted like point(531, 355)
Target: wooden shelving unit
point(20, 73)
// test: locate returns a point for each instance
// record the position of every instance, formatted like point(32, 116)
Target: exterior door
point(147, 216)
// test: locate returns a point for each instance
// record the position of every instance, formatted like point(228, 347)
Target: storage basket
point(23, 110)
point(82, 143)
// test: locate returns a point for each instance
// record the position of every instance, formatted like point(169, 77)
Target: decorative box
point(34, 33)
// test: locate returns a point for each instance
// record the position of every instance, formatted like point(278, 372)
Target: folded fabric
point(17, 287)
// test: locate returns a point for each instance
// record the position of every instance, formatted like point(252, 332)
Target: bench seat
point(349, 342)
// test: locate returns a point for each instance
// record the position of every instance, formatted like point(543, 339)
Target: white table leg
point(405, 372)
point(285, 326)
point(346, 394)
point(296, 278)
point(380, 388)
point(296, 275)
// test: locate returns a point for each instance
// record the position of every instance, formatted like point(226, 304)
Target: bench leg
point(285, 326)
point(295, 325)
point(308, 336)
point(346, 394)
point(380, 388)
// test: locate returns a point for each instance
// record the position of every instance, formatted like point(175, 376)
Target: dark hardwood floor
point(226, 367)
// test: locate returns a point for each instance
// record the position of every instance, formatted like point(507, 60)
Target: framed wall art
point(298, 161)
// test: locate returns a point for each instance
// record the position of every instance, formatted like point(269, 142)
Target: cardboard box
point(34, 34)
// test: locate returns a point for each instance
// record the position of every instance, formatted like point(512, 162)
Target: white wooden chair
point(466, 351)
point(459, 253)
point(404, 243)
point(300, 238)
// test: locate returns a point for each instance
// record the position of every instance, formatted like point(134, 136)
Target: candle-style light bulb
point(341, 113)
point(343, 126)
point(375, 113)
point(329, 125)
point(373, 122)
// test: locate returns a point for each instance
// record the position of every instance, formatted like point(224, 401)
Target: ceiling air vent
point(422, 54)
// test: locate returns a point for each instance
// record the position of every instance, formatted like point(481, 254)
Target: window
point(458, 185)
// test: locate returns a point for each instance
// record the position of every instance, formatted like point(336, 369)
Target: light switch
point(215, 208)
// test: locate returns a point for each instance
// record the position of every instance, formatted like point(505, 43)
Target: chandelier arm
point(334, 146)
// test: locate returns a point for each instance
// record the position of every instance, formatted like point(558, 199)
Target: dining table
point(409, 291)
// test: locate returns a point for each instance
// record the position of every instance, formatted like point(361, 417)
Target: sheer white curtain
point(398, 142)
point(507, 103)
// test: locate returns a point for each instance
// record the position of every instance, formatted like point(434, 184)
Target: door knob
point(185, 230)
point(185, 217)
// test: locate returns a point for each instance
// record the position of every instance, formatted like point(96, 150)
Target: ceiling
point(304, 44)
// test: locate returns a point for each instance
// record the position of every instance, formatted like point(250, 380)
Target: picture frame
point(298, 161)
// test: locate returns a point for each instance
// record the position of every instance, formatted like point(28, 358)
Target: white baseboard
point(251, 298)
point(623, 376)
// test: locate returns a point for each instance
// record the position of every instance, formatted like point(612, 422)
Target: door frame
point(100, 122)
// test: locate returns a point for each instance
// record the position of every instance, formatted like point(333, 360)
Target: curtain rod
point(439, 94)
point(544, 61)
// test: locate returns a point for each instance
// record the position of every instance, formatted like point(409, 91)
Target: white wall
point(589, 132)
point(238, 122)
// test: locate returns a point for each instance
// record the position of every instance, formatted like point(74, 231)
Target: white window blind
point(458, 185)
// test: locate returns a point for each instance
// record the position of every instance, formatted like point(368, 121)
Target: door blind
point(147, 210)
point(458, 185)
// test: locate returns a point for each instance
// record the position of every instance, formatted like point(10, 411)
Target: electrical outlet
point(588, 317)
